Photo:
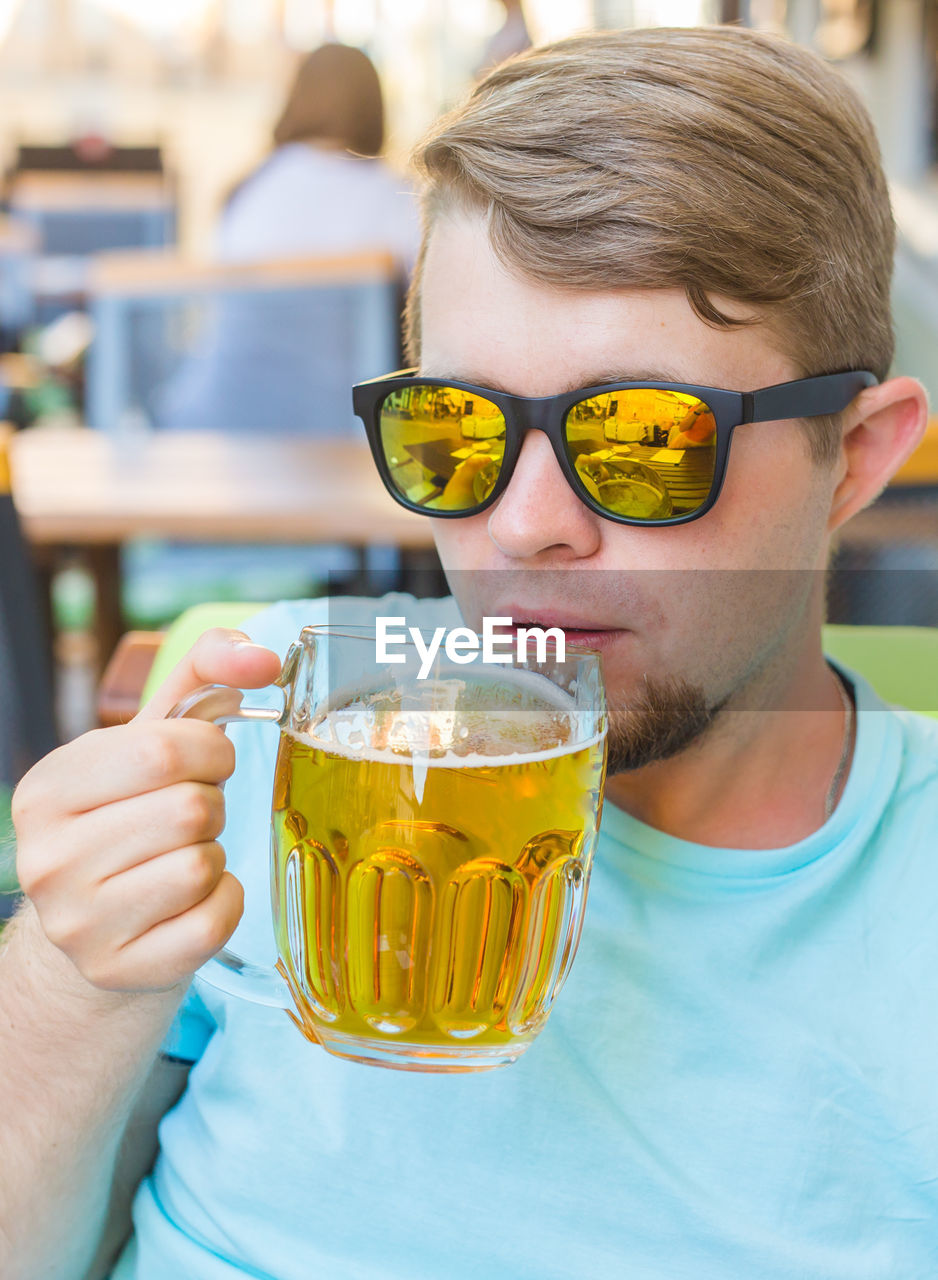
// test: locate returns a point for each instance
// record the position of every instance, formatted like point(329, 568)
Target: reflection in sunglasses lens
point(443, 447)
point(646, 453)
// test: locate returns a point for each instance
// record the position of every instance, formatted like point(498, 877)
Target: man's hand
point(118, 852)
point(117, 833)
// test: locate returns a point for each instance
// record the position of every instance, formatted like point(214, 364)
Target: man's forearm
point(72, 1061)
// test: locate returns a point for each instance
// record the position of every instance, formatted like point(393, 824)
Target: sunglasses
point(634, 452)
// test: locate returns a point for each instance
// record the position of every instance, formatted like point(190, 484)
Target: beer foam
point(513, 680)
point(515, 714)
point(423, 760)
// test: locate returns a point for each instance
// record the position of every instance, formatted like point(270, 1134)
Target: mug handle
point(227, 971)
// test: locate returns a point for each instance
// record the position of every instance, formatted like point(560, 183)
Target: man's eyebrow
point(603, 377)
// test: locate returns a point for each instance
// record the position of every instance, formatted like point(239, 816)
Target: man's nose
point(539, 512)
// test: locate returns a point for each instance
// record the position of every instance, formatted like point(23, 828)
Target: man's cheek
point(707, 633)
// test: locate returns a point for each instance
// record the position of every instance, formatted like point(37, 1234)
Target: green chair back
point(901, 663)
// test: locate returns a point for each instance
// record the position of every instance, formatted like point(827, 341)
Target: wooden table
point(78, 489)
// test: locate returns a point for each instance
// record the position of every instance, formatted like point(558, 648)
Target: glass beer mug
point(431, 842)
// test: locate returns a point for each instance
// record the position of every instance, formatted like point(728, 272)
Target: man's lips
point(579, 631)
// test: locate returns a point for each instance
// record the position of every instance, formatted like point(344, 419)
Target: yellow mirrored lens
point(443, 447)
point(648, 454)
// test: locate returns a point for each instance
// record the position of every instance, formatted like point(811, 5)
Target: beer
point(428, 877)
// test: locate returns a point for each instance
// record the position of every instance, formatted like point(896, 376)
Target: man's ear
point(881, 428)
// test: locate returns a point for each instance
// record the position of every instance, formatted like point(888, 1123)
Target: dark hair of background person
point(336, 98)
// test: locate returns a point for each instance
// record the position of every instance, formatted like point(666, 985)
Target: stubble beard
point(660, 720)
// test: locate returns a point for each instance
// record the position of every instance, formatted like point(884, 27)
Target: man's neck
point(760, 777)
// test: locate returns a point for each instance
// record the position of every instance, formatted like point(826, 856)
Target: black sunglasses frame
point(803, 398)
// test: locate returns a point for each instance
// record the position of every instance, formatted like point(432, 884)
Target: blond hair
point(716, 159)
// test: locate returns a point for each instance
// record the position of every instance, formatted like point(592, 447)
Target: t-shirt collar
point(873, 772)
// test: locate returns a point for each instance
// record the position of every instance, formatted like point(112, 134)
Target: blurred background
point(203, 80)
point(204, 239)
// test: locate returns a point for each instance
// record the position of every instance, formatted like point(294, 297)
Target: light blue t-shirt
point(738, 1082)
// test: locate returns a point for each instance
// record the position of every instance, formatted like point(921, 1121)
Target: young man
point(737, 1080)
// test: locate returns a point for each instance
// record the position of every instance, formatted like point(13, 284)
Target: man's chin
point(656, 722)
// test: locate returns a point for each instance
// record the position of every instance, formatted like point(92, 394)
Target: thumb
point(219, 656)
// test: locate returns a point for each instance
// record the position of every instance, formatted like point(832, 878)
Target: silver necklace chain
point(831, 797)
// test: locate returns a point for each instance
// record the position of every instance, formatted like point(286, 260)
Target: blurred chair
point(267, 348)
point(901, 663)
point(19, 246)
point(27, 726)
point(81, 212)
point(84, 210)
point(89, 155)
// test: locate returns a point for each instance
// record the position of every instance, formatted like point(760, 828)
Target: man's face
point(690, 615)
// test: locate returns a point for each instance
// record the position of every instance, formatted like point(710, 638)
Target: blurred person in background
point(324, 187)
point(511, 37)
point(283, 362)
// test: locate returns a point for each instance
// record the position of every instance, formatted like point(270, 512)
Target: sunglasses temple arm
point(806, 398)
